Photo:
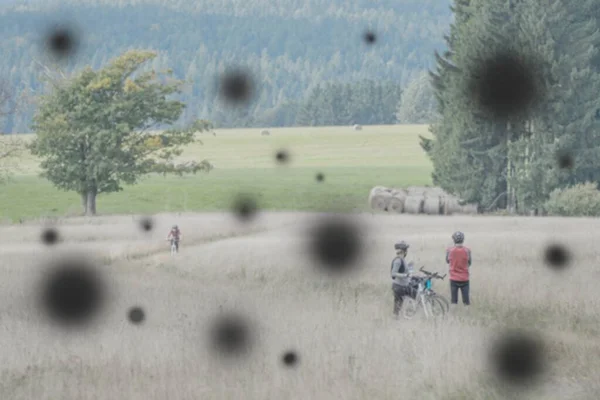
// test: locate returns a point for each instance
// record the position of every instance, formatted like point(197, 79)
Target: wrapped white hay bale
point(396, 204)
point(380, 201)
point(431, 205)
point(414, 204)
point(265, 133)
point(451, 205)
point(470, 209)
point(357, 127)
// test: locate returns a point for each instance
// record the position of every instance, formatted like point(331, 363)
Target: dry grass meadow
point(348, 344)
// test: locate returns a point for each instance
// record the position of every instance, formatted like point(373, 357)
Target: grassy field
point(351, 161)
point(349, 347)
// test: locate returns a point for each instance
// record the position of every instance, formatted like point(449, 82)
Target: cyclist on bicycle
point(459, 259)
point(401, 272)
point(175, 235)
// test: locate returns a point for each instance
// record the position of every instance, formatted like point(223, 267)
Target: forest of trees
point(289, 46)
point(514, 160)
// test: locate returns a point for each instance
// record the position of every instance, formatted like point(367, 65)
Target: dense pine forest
point(292, 48)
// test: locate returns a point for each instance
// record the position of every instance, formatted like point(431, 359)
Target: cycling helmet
point(458, 237)
point(402, 245)
point(174, 227)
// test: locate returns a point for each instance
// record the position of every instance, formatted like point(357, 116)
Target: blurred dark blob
point(245, 207)
point(236, 87)
point(557, 256)
point(320, 177)
point(290, 358)
point(50, 236)
point(230, 335)
point(370, 37)
point(136, 315)
point(73, 292)
point(505, 85)
point(565, 160)
point(518, 358)
point(146, 224)
point(335, 244)
point(282, 156)
point(62, 41)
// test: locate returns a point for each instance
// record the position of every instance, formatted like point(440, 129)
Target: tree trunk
point(88, 201)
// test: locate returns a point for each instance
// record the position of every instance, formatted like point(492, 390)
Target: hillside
point(289, 45)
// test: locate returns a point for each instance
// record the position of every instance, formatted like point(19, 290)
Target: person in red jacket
point(459, 259)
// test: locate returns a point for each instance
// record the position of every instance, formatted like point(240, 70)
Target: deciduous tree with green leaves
point(96, 131)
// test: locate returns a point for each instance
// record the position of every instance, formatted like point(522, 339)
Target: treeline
point(519, 162)
point(289, 47)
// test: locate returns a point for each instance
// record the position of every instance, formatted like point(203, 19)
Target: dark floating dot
point(282, 157)
point(136, 315)
point(61, 42)
point(335, 244)
point(50, 236)
point(146, 224)
point(230, 335)
point(236, 87)
point(517, 358)
point(245, 207)
point(565, 160)
point(320, 177)
point(370, 37)
point(290, 358)
point(557, 256)
point(504, 85)
point(72, 293)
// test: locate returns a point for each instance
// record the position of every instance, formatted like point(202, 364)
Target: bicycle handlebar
point(432, 274)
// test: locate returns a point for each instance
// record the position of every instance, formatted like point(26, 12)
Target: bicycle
point(432, 303)
point(174, 249)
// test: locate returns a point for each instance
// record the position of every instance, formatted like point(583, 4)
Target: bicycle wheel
point(445, 303)
point(409, 308)
point(436, 307)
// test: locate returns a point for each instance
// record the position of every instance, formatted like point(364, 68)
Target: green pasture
point(351, 161)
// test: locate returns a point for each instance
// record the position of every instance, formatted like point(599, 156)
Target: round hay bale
point(380, 201)
point(378, 189)
point(396, 203)
point(399, 192)
point(265, 132)
point(451, 205)
point(416, 191)
point(431, 205)
point(414, 204)
point(357, 127)
point(470, 209)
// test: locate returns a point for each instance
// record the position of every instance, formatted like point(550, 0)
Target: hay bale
point(451, 205)
point(470, 209)
point(380, 201)
point(396, 203)
point(399, 192)
point(377, 189)
point(431, 205)
point(265, 133)
point(357, 127)
point(414, 204)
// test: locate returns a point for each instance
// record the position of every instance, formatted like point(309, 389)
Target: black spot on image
point(565, 160)
point(136, 315)
point(62, 41)
point(230, 335)
point(505, 85)
point(335, 244)
point(245, 207)
point(72, 292)
point(557, 256)
point(290, 358)
point(236, 87)
point(320, 177)
point(50, 236)
point(282, 156)
point(146, 224)
point(518, 358)
point(370, 37)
